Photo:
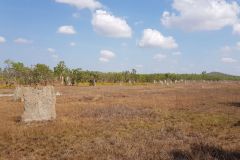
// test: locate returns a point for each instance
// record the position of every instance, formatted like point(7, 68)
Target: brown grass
point(195, 121)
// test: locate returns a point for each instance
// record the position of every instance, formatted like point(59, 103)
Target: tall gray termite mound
point(39, 104)
point(18, 94)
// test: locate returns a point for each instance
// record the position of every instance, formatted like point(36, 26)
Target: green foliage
point(17, 72)
point(60, 69)
point(42, 74)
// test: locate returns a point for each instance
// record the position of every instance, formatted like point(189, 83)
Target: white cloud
point(110, 26)
point(22, 41)
point(66, 30)
point(72, 44)
point(228, 60)
point(51, 50)
point(101, 59)
point(159, 57)
point(2, 40)
point(197, 15)
point(153, 38)
point(82, 4)
point(106, 55)
point(236, 28)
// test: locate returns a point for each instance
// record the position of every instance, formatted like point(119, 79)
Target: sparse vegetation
point(143, 80)
point(196, 121)
point(18, 73)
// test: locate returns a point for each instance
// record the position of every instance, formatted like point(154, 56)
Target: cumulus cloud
point(106, 55)
point(228, 60)
point(2, 40)
point(22, 41)
point(66, 30)
point(159, 57)
point(109, 25)
point(236, 28)
point(229, 52)
point(198, 15)
point(153, 38)
point(82, 4)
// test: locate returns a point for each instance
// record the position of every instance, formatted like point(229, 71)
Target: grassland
point(193, 122)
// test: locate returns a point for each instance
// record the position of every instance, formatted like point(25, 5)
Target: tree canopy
point(17, 72)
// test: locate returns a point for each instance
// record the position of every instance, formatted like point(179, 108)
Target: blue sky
point(182, 36)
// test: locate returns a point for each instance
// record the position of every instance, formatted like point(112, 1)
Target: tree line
point(18, 73)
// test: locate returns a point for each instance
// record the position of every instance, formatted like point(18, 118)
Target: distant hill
point(223, 75)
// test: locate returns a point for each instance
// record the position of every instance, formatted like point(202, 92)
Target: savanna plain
point(194, 121)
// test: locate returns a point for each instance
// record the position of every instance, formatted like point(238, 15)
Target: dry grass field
point(197, 121)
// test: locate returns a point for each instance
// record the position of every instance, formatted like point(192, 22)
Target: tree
point(42, 74)
point(76, 76)
point(8, 72)
point(20, 72)
point(134, 75)
point(61, 71)
point(126, 75)
point(134, 71)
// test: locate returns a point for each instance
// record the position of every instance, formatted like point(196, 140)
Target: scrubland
point(197, 121)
